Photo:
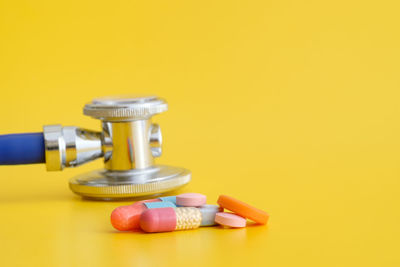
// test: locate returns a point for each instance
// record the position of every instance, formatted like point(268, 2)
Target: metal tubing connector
point(70, 146)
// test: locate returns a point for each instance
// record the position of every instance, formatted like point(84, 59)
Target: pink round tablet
point(191, 200)
point(230, 219)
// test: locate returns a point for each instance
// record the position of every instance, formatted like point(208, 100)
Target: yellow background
point(292, 106)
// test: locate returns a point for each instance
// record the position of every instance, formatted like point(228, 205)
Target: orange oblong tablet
point(243, 209)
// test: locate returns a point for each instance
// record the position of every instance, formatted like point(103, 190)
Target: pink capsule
point(158, 220)
point(170, 219)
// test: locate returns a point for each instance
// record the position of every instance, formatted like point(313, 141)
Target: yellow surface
point(292, 106)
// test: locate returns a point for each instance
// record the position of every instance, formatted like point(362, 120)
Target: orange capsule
point(125, 218)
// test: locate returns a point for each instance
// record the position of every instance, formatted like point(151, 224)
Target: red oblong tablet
point(230, 220)
point(125, 218)
point(191, 200)
point(243, 209)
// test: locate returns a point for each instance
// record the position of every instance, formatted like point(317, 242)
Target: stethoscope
point(128, 142)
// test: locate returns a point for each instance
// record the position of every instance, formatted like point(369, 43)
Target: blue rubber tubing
point(26, 148)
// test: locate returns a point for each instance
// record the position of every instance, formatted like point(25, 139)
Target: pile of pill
point(184, 211)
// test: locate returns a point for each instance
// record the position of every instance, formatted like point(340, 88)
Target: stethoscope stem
point(25, 148)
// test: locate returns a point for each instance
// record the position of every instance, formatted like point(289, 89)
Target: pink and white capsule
point(170, 219)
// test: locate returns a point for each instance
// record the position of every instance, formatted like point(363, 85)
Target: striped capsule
point(170, 219)
point(126, 218)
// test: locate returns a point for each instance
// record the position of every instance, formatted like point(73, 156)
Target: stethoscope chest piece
point(128, 142)
point(110, 185)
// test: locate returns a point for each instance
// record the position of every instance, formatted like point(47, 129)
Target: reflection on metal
point(128, 142)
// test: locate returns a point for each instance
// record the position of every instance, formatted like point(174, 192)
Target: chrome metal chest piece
point(129, 142)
